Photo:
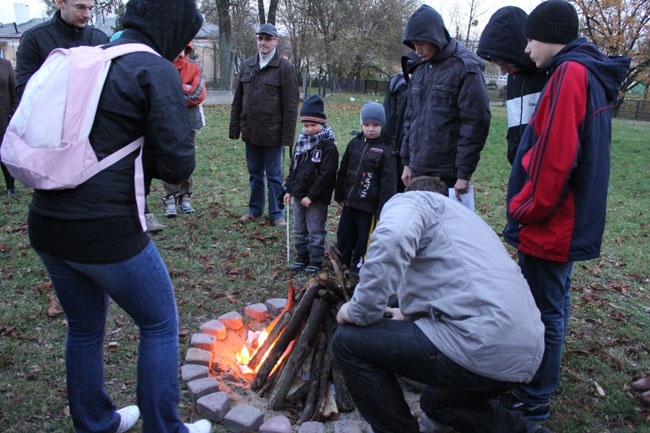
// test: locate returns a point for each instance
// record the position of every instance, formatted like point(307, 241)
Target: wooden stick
point(301, 348)
point(289, 333)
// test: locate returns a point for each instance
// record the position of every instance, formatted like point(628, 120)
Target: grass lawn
point(218, 265)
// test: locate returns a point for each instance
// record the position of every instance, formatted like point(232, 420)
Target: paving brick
point(243, 418)
point(216, 328)
point(200, 387)
point(312, 427)
point(198, 356)
point(277, 424)
point(257, 312)
point(347, 426)
point(203, 341)
point(232, 320)
point(275, 306)
point(214, 406)
point(194, 371)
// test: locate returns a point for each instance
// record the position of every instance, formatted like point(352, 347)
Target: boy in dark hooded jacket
point(365, 181)
point(503, 43)
point(448, 113)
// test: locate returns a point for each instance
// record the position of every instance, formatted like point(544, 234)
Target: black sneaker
point(530, 411)
point(297, 266)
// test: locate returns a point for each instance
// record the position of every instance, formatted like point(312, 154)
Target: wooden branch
point(301, 348)
point(344, 399)
point(289, 333)
point(276, 326)
point(335, 258)
point(315, 378)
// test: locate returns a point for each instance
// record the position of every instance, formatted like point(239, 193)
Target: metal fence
point(635, 109)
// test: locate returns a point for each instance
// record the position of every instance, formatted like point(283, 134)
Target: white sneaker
point(186, 204)
point(152, 223)
point(170, 206)
point(201, 426)
point(128, 417)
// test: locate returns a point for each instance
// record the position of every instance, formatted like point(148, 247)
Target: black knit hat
point(313, 110)
point(553, 22)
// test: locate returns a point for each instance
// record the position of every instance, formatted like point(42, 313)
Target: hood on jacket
point(426, 25)
point(409, 62)
point(169, 25)
point(609, 71)
point(503, 39)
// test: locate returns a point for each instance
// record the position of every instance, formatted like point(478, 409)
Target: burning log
point(304, 343)
point(300, 339)
point(288, 334)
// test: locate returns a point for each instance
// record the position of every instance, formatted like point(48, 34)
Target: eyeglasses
point(265, 38)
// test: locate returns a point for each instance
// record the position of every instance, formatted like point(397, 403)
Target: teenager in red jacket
point(557, 192)
point(193, 83)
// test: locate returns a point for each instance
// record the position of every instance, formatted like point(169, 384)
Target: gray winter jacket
point(454, 278)
point(448, 110)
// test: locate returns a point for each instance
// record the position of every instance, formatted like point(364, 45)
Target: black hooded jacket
point(448, 112)
point(37, 43)
point(97, 222)
point(503, 40)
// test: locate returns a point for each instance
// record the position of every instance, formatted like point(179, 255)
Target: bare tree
point(620, 27)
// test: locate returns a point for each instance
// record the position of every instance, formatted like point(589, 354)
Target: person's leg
point(85, 305)
point(141, 286)
point(255, 164)
point(300, 232)
point(10, 182)
point(550, 284)
point(346, 235)
point(363, 223)
point(316, 222)
point(273, 169)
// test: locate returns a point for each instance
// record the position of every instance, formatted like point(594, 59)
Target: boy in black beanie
point(557, 192)
point(310, 183)
point(366, 179)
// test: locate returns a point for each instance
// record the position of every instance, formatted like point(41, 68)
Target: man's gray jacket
point(455, 279)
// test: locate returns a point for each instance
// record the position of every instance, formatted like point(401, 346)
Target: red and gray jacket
point(557, 193)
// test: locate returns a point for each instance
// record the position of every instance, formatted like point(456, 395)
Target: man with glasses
point(264, 111)
point(68, 28)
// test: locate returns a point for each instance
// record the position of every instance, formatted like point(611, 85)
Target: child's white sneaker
point(201, 426)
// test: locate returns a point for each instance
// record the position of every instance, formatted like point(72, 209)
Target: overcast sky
point(487, 7)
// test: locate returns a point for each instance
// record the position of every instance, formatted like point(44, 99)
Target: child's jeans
point(309, 230)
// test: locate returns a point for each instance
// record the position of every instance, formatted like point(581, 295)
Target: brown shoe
point(642, 384)
point(248, 217)
point(278, 222)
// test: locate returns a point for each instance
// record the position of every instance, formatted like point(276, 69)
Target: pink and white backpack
point(46, 145)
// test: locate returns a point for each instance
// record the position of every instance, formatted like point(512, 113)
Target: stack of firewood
point(296, 366)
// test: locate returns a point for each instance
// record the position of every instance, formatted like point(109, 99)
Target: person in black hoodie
point(395, 107)
point(448, 114)
point(91, 240)
point(366, 179)
point(503, 43)
point(310, 183)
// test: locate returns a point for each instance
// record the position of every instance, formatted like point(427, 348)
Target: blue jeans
point(142, 288)
point(550, 284)
point(263, 161)
point(370, 358)
point(309, 231)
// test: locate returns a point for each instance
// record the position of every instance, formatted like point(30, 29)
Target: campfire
point(290, 361)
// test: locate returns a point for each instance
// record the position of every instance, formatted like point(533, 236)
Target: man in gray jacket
point(467, 325)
